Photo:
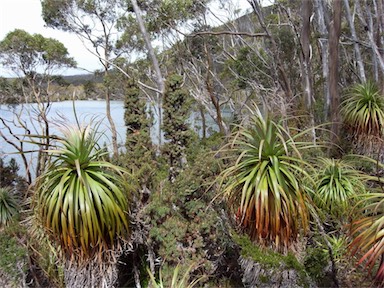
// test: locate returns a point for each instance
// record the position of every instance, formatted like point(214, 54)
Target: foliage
point(363, 109)
point(45, 257)
point(24, 52)
point(13, 254)
point(315, 261)
point(196, 47)
point(89, 88)
point(9, 206)
point(368, 233)
point(186, 226)
point(185, 223)
point(138, 122)
point(285, 40)
point(337, 185)
point(266, 183)
point(173, 12)
point(162, 16)
point(10, 91)
point(249, 65)
point(59, 14)
point(80, 199)
point(8, 173)
point(339, 247)
point(176, 105)
point(177, 280)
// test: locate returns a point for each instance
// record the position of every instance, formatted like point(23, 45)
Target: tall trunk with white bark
point(323, 43)
point(155, 63)
point(356, 46)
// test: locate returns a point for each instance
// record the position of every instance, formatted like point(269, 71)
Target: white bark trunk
point(155, 63)
point(356, 46)
point(323, 42)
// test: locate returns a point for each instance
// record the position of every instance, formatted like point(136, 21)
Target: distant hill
point(82, 78)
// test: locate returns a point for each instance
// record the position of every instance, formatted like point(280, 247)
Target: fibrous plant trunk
point(90, 274)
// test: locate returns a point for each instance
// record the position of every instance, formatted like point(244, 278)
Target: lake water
point(87, 111)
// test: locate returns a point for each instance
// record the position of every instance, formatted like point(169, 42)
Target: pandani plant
point(265, 184)
point(367, 232)
point(363, 109)
point(82, 200)
point(367, 228)
point(178, 280)
point(337, 186)
point(363, 114)
point(9, 206)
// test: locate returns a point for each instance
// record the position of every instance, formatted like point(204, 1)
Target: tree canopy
point(21, 51)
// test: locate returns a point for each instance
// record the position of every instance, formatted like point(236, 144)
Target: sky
point(26, 15)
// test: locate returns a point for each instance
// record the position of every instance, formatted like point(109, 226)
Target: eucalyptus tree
point(321, 25)
point(207, 49)
point(34, 59)
point(156, 20)
point(198, 60)
point(356, 45)
point(333, 46)
point(371, 21)
point(94, 21)
point(279, 68)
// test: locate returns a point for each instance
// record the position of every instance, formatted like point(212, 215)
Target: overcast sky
point(26, 15)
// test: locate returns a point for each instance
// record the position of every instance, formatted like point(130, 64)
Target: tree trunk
point(306, 62)
point(378, 32)
point(334, 36)
point(372, 41)
point(208, 83)
point(323, 43)
point(203, 122)
point(155, 63)
point(107, 51)
point(356, 46)
point(111, 122)
point(108, 109)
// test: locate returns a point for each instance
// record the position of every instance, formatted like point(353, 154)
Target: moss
point(292, 263)
point(315, 262)
point(269, 258)
point(264, 279)
point(265, 257)
point(12, 253)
